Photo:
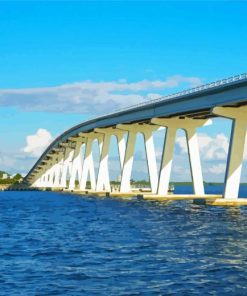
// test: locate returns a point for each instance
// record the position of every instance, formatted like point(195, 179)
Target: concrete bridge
point(187, 110)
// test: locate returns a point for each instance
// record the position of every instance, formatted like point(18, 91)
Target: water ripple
point(60, 244)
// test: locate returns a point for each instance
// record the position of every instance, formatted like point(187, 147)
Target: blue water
point(61, 244)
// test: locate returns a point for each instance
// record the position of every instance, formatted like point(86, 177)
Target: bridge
point(61, 162)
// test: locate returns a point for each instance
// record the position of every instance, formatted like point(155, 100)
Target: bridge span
point(61, 162)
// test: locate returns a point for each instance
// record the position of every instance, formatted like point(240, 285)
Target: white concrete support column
point(51, 175)
point(43, 179)
point(121, 148)
point(76, 163)
point(47, 176)
point(46, 179)
point(189, 125)
point(128, 163)
point(37, 183)
point(195, 161)
point(236, 148)
point(38, 176)
point(146, 130)
point(66, 165)
point(88, 166)
point(103, 180)
point(57, 173)
point(166, 161)
point(151, 160)
point(58, 170)
point(51, 170)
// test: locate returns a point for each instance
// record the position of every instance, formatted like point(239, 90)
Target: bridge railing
point(188, 91)
point(221, 82)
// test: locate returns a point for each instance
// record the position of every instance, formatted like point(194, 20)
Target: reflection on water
point(60, 244)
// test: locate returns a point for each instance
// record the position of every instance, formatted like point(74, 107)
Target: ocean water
point(63, 244)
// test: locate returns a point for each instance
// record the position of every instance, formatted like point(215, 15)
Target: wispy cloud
point(91, 97)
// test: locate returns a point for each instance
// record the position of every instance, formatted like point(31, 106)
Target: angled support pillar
point(68, 155)
point(46, 164)
point(43, 177)
point(58, 173)
point(58, 169)
point(103, 180)
point(147, 131)
point(236, 148)
point(166, 161)
point(151, 159)
point(189, 125)
point(51, 175)
point(121, 148)
point(46, 178)
point(37, 183)
point(128, 163)
point(76, 162)
point(52, 170)
point(88, 164)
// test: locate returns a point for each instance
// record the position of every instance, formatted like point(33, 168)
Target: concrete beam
point(182, 123)
point(64, 144)
point(231, 112)
point(109, 130)
point(137, 127)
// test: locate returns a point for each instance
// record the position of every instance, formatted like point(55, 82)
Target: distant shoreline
point(205, 183)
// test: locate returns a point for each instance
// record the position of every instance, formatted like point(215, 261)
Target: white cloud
point(90, 97)
point(214, 148)
point(217, 169)
point(211, 148)
point(37, 143)
point(181, 143)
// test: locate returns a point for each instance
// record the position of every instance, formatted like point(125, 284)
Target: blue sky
point(55, 50)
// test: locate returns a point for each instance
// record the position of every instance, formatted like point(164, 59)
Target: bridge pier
point(50, 175)
point(121, 148)
point(128, 162)
point(189, 125)
point(68, 155)
point(46, 177)
point(58, 170)
point(103, 179)
point(88, 164)
point(147, 131)
point(236, 148)
point(76, 162)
